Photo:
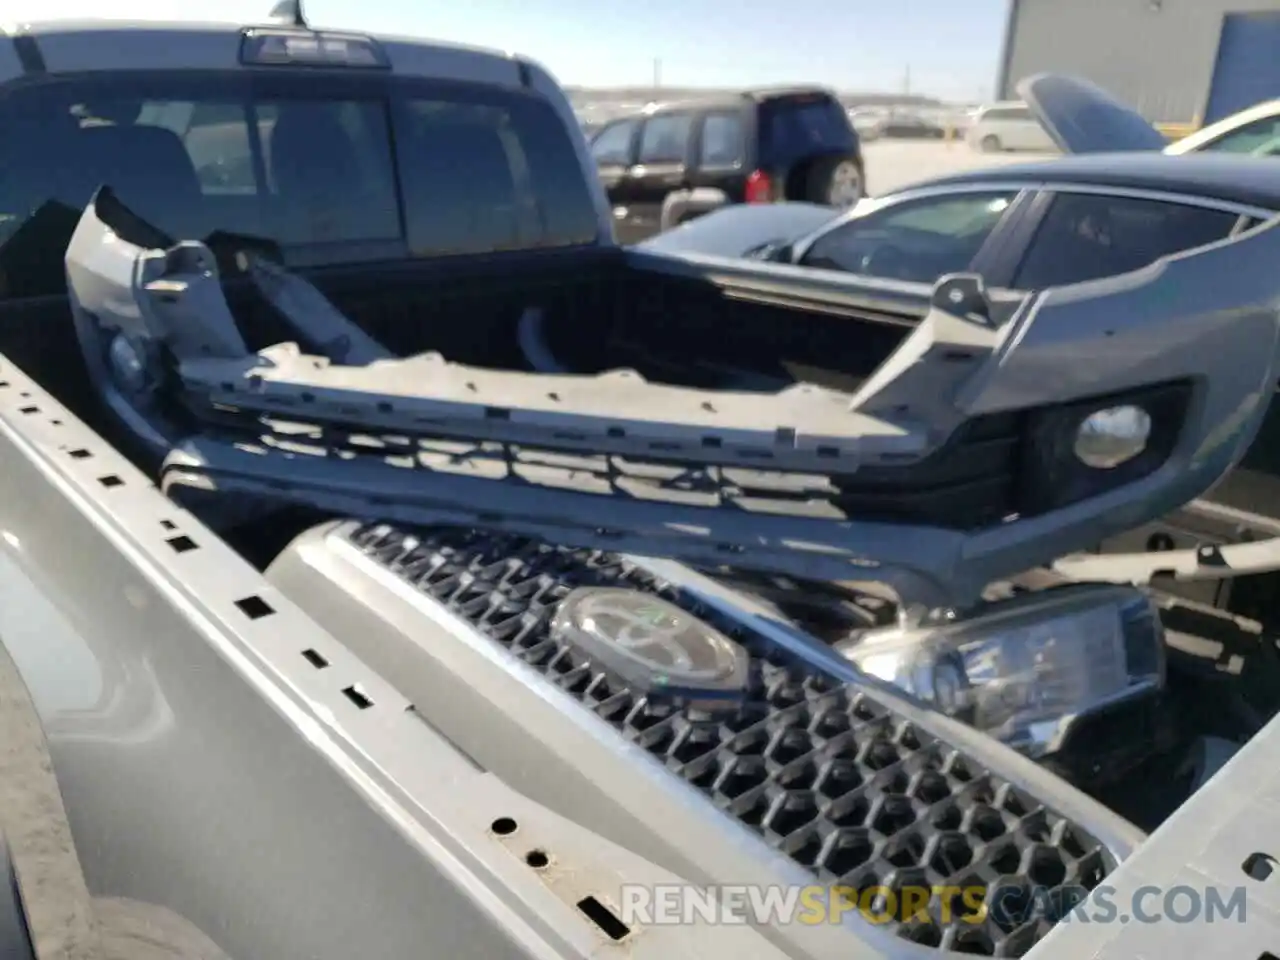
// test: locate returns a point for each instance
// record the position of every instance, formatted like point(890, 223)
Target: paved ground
point(892, 164)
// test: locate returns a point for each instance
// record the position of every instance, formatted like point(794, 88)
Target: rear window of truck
point(328, 170)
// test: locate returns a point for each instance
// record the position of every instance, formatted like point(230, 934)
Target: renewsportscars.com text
point(676, 904)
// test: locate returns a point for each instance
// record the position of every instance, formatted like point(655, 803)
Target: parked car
point(909, 126)
point(1084, 216)
point(1103, 215)
point(677, 161)
point(1065, 219)
point(1254, 131)
point(866, 121)
point(1007, 126)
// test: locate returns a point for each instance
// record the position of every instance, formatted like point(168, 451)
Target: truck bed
point(600, 309)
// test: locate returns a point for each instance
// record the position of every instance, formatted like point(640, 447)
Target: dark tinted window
point(1086, 237)
point(348, 194)
point(613, 144)
point(802, 125)
point(308, 168)
point(189, 164)
point(917, 240)
point(345, 192)
point(665, 138)
point(722, 140)
point(497, 173)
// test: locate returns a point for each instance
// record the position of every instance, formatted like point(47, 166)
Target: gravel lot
point(896, 163)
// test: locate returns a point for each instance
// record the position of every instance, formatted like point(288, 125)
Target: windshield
point(306, 165)
point(915, 241)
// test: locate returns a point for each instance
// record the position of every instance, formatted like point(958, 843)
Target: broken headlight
point(1024, 670)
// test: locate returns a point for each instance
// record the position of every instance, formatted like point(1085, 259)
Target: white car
point(867, 122)
point(1254, 131)
point(1009, 125)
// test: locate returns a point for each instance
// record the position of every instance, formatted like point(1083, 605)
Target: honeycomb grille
point(820, 770)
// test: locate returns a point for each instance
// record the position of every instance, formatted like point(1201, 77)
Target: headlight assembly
point(1024, 670)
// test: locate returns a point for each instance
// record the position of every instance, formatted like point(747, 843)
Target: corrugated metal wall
point(1157, 55)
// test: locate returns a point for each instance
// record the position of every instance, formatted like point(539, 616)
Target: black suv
point(676, 161)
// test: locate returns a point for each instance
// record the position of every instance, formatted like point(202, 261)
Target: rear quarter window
point(1088, 236)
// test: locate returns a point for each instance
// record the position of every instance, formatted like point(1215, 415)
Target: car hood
point(1081, 117)
point(738, 230)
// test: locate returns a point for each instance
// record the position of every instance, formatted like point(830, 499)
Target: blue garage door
point(1248, 67)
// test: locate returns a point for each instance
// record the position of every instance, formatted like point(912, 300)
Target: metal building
point(1177, 61)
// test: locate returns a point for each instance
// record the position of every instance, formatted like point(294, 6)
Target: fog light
point(128, 364)
point(1025, 669)
point(1107, 438)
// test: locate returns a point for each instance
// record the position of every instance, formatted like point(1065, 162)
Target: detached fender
point(681, 205)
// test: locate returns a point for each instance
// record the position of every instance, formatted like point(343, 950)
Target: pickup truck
point(392, 565)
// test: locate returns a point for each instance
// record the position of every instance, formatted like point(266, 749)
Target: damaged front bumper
point(807, 482)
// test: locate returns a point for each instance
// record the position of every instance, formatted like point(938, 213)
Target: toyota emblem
point(652, 644)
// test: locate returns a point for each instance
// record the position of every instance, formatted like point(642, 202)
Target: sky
point(945, 48)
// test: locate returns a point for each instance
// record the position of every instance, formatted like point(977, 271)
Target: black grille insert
point(816, 768)
point(970, 483)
